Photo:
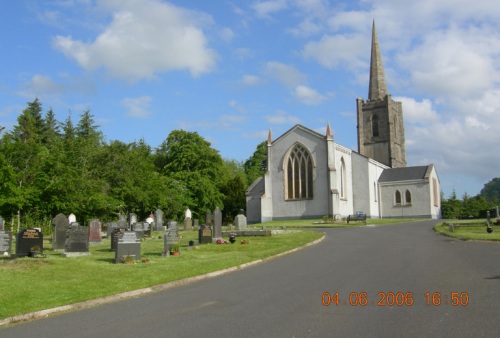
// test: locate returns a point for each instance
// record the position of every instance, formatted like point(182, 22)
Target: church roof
point(405, 174)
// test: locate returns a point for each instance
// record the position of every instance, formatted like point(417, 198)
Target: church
point(308, 175)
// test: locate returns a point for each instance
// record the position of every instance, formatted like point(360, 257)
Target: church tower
point(381, 133)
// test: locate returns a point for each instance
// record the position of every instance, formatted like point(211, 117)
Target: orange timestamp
point(396, 299)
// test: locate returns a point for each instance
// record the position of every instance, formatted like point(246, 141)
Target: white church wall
point(343, 154)
point(420, 200)
point(303, 208)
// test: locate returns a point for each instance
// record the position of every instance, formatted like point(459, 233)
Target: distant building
point(310, 176)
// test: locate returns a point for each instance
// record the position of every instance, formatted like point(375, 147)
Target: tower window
point(375, 126)
point(299, 174)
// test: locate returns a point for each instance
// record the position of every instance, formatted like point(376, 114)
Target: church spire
point(378, 88)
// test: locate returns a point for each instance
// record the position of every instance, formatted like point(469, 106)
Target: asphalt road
point(394, 265)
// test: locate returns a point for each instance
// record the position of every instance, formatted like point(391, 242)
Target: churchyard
point(40, 273)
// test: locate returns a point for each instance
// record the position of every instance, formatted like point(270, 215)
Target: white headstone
point(188, 213)
point(71, 218)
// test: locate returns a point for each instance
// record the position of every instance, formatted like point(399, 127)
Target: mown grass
point(469, 230)
point(317, 223)
point(33, 284)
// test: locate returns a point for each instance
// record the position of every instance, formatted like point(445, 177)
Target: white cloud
point(144, 38)
point(137, 107)
point(287, 75)
point(282, 117)
point(264, 9)
point(44, 87)
point(250, 80)
point(243, 53)
point(308, 95)
point(227, 34)
point(418, 112)
point(335, 50)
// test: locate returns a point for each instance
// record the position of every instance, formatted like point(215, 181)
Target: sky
point(233, 70)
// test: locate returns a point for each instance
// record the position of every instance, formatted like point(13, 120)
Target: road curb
point(140, 292)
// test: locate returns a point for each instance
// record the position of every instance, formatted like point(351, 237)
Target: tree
point(256, 165)
point(191, 161)
point(451, 207)
point(491, 190)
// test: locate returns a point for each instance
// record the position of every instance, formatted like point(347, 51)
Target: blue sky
point(230, 70)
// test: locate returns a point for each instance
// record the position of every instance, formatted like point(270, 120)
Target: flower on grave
point(221, 241)
point(245, 241)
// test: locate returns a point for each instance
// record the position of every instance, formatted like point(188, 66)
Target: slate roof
point(404, 174)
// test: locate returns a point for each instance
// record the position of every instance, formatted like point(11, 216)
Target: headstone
point(2, 224)
point(188, 224)
point(147, 229)
point(28, 241)
point(95, 231)
point(208, 218)
point(138, 228)
point(128, 245)
point(170, 238)
point(205, 234)
point(217, 224)
point(61, 225)
point(187, 214)
point(77, 239)
point(171, 224)
point(5, 242)
point(196, 224)
point(122, 224)
point(121, 217)
point(151, 218)
point(497, 211)
point(240, 221)
point(71, 218)
point(115, 235)
point(132, 218)
point(158, 220)
point(109, 229)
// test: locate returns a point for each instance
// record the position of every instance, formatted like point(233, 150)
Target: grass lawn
point(316, 223)
point(33, 284)
point(469, 230)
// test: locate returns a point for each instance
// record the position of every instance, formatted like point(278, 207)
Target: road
point(283, 297)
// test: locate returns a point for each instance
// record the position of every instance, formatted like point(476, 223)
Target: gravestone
point(5, 242)
point(71, 218)
point(122, 224)
point(128, 245)
point(240, 221)
point(205, 234)
point(147, 229)
point(151, 218)
point(2, 224)
point(132, 218)
point(170, 238)
point(171, 224)
point(61, 225)
point(77, 240)
point(217, 224)
point(27, 241)
point(158, 220)
point(188, 224)
point(196, 223)
point(109, 229)
point(115, 235)
point(95, 232)
point(208, 218)
point(138, 228)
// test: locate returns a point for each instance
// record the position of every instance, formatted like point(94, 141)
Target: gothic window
point(343, 179)
point(407, 197)
point(299, 174)
point(375, 126)
point(397, 197)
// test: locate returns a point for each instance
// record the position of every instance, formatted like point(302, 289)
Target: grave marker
point(158, 220)
point(77, 239)
point(170, 238)
point(95, 232)
point(240, 221)
point(217, 224)
point(128, 245)
point(2, 224)
point(5, 242)
point(28, 241)
point(61, 225)
point(205, 234)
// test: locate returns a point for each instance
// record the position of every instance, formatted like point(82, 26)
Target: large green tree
point(256, 165)
point(491, 190)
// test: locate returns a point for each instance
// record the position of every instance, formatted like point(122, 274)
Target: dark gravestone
point(109, 229)
point(158, 220)
point(128, 245)
point(205, 234)
point(2, 224)
point(77, 239)
point(5, 242)
point(115, 235)
point(95, 231)
point(170, 238)
point(28, 241)
point(61, 225)
point(217, 224)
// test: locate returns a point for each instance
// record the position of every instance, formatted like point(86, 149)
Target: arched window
point(397, 197)
point(299, 174)
point(343, 179)
point(407, 197)
point(374, 126)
